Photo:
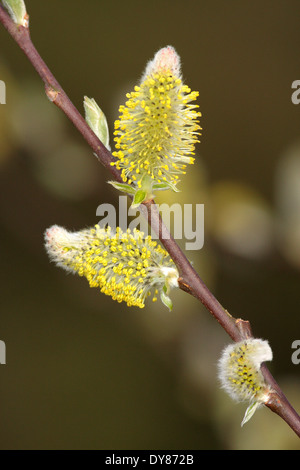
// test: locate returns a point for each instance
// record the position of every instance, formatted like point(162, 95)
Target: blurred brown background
point(83, 371)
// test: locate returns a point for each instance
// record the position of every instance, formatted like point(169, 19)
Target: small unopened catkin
point(239, 370)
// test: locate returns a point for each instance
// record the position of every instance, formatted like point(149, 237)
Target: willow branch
point(189, 280)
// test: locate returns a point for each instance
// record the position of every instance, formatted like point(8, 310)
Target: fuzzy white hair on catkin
point(164, 59)
point(250, 353)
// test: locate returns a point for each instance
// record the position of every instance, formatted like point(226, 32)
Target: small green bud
point(17, 11)
point(139, 197)
point(96, 119)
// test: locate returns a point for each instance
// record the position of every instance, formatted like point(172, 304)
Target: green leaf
point(139, 197)
point(164, 186)
point(160, 186)
point(250, 412)
point(96, 119)
point(125, 188)
point(17, 11)
point(173, 187)
point(166, 299)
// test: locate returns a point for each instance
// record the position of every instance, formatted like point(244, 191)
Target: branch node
point(51, 93)
point(25, 23)
point(244, 328)
point(184, 286)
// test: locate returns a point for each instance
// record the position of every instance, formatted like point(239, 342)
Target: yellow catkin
point(123, 265)
point(158, 126)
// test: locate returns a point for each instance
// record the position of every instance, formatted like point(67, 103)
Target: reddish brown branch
point(189, 281)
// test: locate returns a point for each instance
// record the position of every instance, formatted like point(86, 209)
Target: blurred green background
point(83, 371)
